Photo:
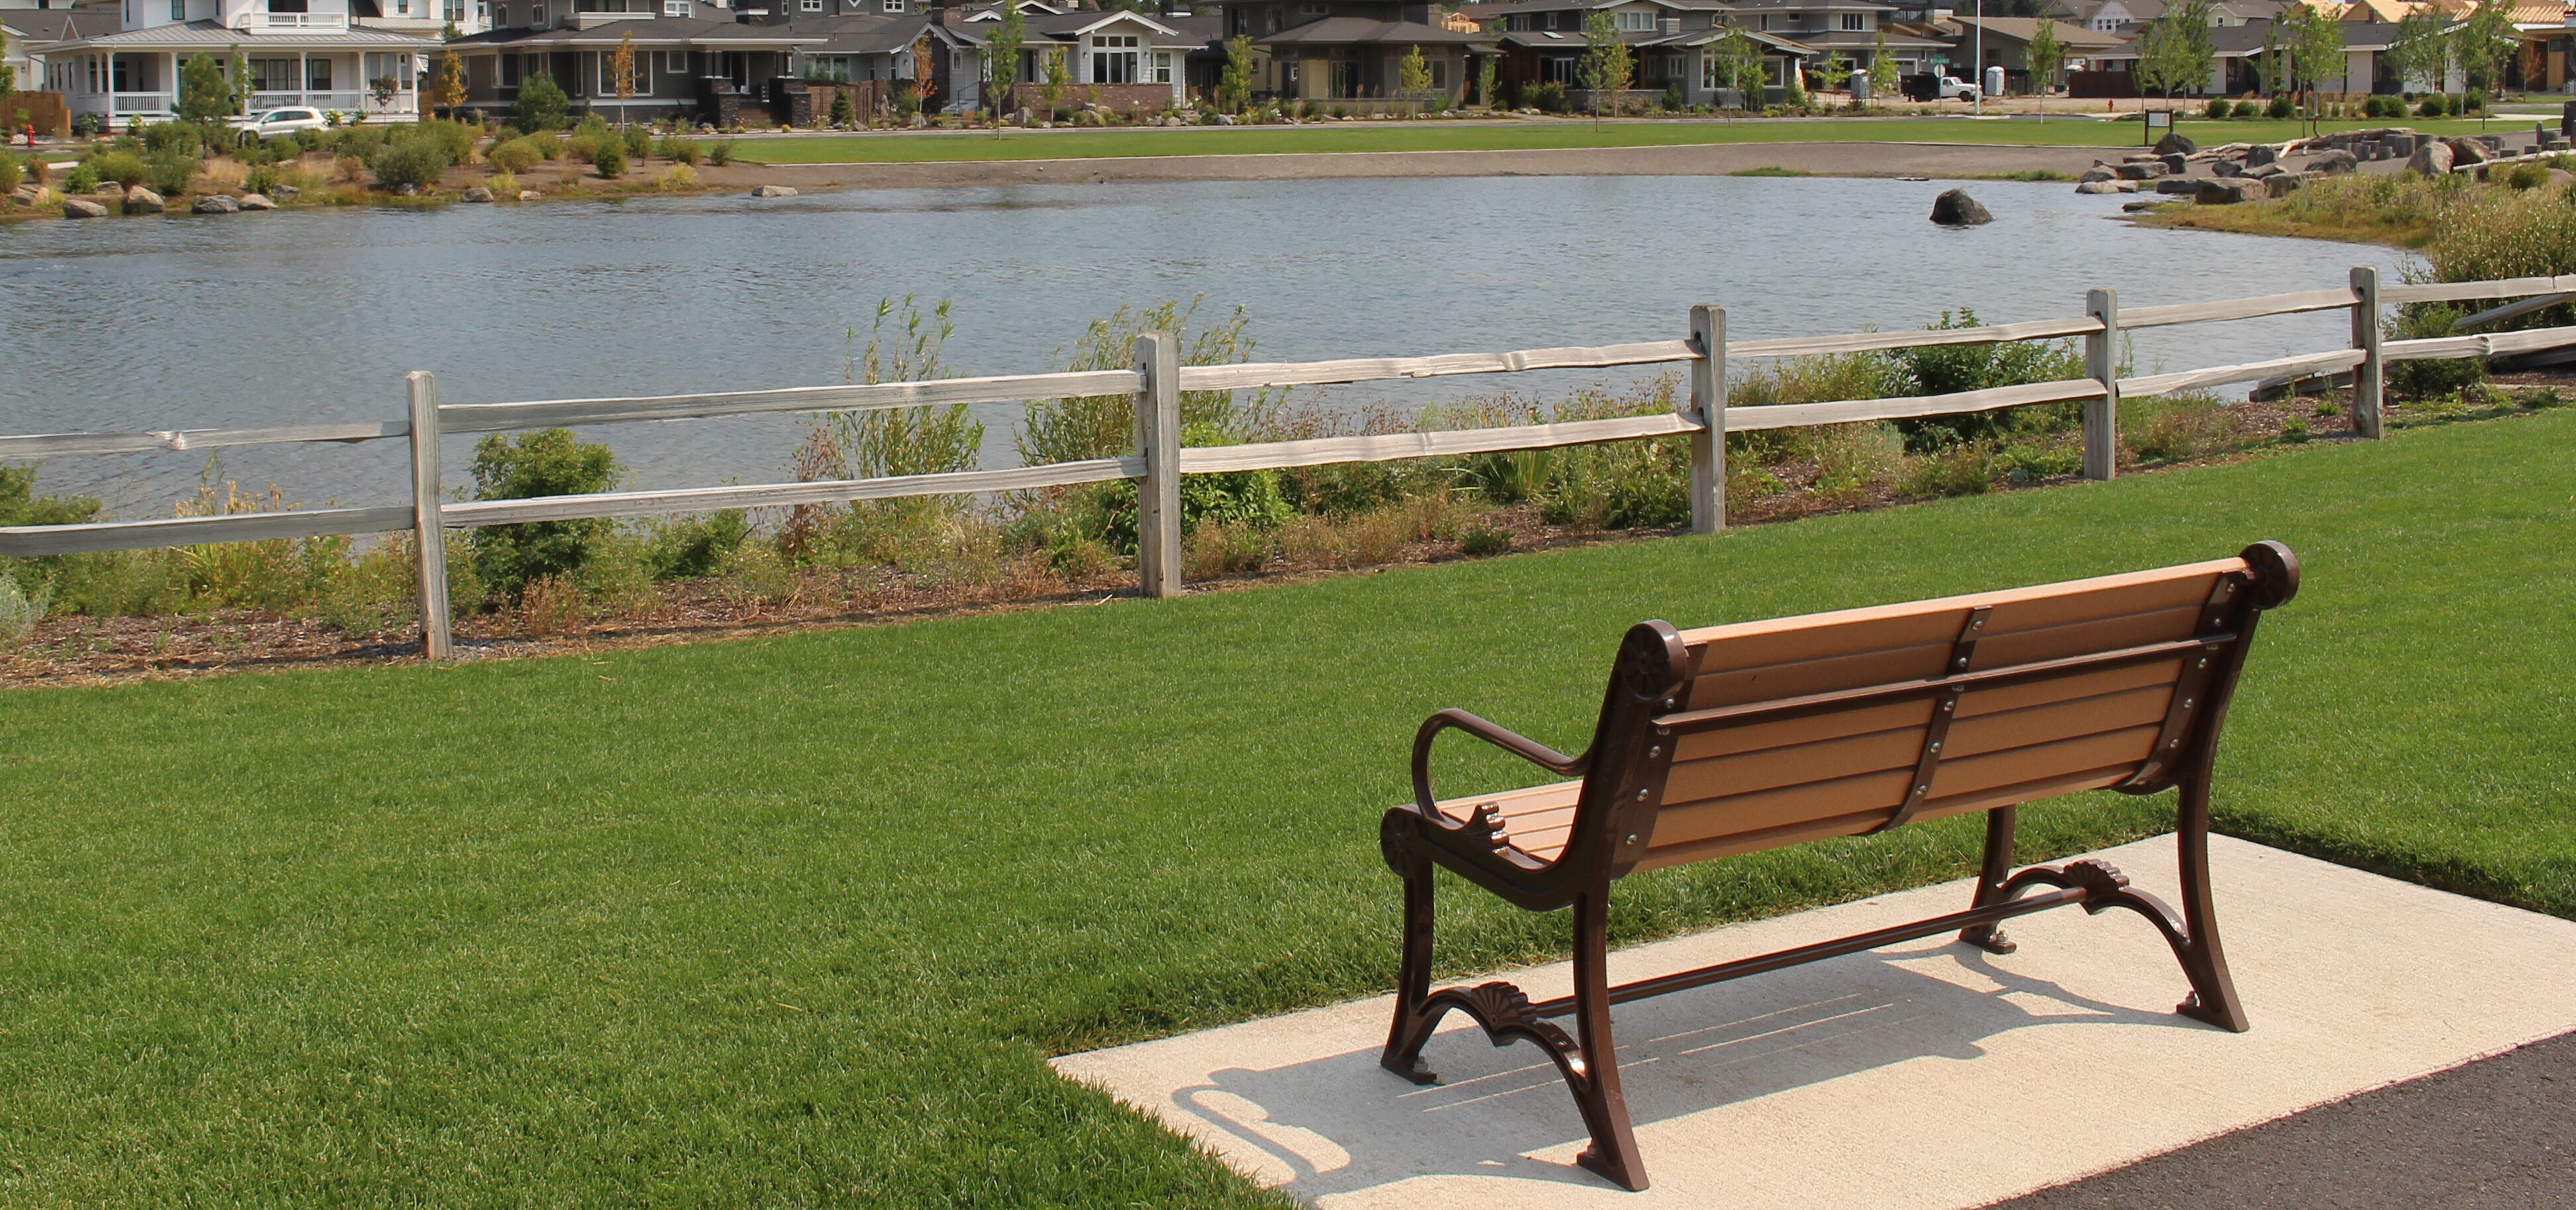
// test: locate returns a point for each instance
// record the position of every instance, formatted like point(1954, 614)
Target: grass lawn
point(1498, 136)
point(794, 921)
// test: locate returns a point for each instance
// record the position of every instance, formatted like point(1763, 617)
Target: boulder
point(80, 208)
point(2260, 154)
point(478, 193)
point(2431, 159)
point(2268, 170)
point(2175, 142)
point(2225, 193)
point(216, 203)
point(286, 193)
point(2176, 163)
point(2141, 172)
point(2467, 151)
point(2096, 173)
point(1954, 208)
point(2333, 162)
point(139, 200)
point(2400, 145)
point(2182, 186)
point(529, 195)
point(2227, 168)
point(2107, 187)
point(257, 201)
point(773, 191)
point(2284, 185)
point(2139, 207)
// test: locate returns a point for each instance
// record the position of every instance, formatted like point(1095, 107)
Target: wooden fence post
point(429, 533)
point(1158, 438)
point(1708, 400)
point(2102, 363)
point(2365, 337)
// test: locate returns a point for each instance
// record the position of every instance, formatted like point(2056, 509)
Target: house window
point(317, 75)
point(894, 6)
point(178, 10)
point(675, 8)
point(811, 6)
point(1766, 21)
point(1162, 67)
point(453, 10)
point(1634, 20)
point(608, 75)
point(1111, 63)
point(1314, 10)
point(1440, 73)
point(509, 71)
point(675, 63)
point(1557, 69)
point(272, 75)
point(1855, 21)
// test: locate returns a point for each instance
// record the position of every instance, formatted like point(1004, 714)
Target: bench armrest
point(1523, 747)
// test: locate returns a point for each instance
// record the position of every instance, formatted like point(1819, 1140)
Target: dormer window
point(1633, 20)
point(1854, 21)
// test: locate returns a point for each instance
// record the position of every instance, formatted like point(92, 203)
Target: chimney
point(1670, 26)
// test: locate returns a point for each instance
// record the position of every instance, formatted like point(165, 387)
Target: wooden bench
point(1737, 739)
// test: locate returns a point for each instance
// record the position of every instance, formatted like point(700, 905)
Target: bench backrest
point(1764, 734)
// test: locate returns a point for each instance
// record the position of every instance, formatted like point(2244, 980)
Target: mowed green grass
point(795, 921)
point(1496, 136)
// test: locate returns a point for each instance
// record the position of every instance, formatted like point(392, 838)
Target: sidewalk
point(1922, 1076)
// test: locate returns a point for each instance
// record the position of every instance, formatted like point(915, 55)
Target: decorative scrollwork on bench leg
point(2191, 934)
point(1996, 867)
point(1588, 1064)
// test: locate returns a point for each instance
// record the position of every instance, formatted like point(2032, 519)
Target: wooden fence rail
point(1157, 381)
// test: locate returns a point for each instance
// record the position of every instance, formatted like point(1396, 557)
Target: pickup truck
point(1928, 87)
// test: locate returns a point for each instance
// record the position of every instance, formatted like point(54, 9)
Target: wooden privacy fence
point(1158, 380)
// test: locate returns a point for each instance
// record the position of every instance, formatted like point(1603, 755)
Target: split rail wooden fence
point(1158, 380)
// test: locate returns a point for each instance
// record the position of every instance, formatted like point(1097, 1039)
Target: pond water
point(314, 316)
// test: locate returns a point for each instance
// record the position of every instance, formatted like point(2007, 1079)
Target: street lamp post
point(1977, 63)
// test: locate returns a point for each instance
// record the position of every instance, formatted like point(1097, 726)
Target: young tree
point(2421, 53)
point(621, 70)
point(1234, 87)
point(1486, 69)
point(2175, 51)
point(844, 112)
point(925, 72)
point(1836, 73)
point(1002, 57)
point(2315, 45)
point(1745, 66)
point(1051, 89)
point(2486, 42)
point(1884, 82)
point(541, 103)
point(2047, 54)
point(204, 94)
point(1607, 61)
point(1413, 75)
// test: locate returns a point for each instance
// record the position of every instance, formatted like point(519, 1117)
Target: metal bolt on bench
point(1738, 739)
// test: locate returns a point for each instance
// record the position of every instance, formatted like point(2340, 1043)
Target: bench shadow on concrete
point(1342, 1123)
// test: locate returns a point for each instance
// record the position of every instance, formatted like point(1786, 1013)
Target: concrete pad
point(1923, 1075)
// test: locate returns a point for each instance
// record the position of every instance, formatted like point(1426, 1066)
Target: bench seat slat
point(1536, 819)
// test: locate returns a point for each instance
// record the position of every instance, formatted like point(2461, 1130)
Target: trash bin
point(1860, 88)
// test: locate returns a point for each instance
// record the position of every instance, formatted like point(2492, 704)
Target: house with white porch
point(297, 52)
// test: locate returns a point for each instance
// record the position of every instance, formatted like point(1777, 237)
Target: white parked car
point(276, 122)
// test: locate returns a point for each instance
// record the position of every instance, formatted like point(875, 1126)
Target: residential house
point(1331, 50)
point(1674, 43)
point(2005, 42)
point(428, 18)
point(686, 61)
point(1127, 61)
point(27, 27)
point(2127, 17)
point(1850, 29)
point(298, 52)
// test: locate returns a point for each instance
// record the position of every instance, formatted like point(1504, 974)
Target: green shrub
point(610, 157)
point(1948, 369)
point(20, 611)
point(2294, 430)
point(2028, 462)
point(10, 172)
point(2219, 109)
point(721, 153)
point(417, 162)
point(639, 144)
point(171, 172)
point(1956, 470)
point(123, 167)
point(2473, 101)
point(689, 548)
point(1546, 96)
point(2280, 108)
point(844, 112)
point(548, 462)
point(541, 105)
point(515, 156)
point(83, 178)
point(2430, 377)
point(683, 151)
point(2526, 176)
point(1478, 541)
point(2433, 106)
point(549, 145)
point(2177, 428)
point(457, 139)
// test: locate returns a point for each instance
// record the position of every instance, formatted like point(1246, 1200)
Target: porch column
point(303, 79)
point(173, 82)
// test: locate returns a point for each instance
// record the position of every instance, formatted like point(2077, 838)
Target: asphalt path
point(2498, 1133)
